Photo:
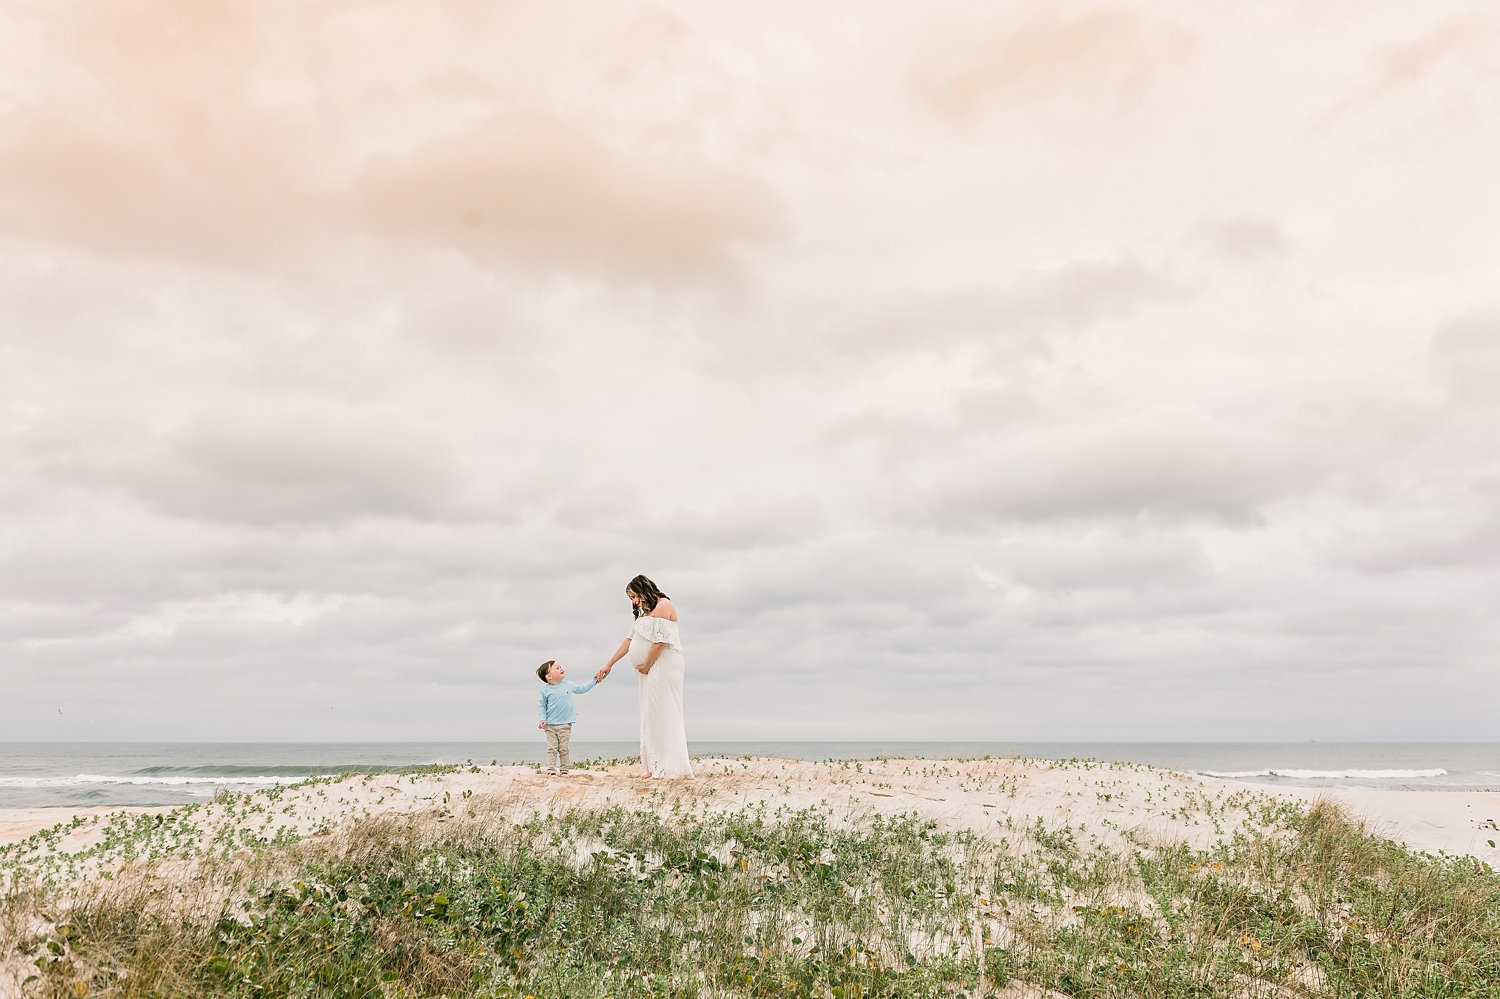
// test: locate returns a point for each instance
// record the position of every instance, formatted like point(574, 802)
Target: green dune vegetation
point(475, 896)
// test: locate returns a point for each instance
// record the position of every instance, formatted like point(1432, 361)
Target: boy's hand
point(541, 724)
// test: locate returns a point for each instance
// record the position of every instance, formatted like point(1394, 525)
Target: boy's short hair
point(541, 671)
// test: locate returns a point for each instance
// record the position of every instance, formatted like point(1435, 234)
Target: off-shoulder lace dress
point(664, 749)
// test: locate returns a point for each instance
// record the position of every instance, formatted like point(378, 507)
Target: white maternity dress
point(664, 751)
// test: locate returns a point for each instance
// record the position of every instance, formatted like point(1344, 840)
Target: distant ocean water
point(88, 774)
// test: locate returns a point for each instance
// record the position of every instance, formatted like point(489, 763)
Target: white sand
point(995, 797)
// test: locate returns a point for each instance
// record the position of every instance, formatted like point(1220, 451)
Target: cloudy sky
point(1001, 371)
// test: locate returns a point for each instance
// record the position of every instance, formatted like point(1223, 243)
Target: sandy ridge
point(1102, 801)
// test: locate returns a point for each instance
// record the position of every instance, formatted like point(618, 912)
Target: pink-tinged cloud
point(1466, 353)
point(1106, 56)
point(208, 134)
point(149, 134)
point(546, 197)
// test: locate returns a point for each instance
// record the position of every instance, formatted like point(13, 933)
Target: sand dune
point(1106, 802)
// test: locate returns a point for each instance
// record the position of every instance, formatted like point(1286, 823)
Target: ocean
point(90, 774)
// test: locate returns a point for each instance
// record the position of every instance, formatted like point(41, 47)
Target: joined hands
point(642, 669)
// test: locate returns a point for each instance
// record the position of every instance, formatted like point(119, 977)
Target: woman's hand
point(651, 658)
point(610, 663)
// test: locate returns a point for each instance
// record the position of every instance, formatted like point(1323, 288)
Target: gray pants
point(557, 747)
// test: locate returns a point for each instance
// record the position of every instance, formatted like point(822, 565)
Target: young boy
point(557, 713)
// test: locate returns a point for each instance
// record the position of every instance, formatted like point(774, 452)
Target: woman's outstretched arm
point(619, 654)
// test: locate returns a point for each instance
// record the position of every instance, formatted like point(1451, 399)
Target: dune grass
point(608, 902)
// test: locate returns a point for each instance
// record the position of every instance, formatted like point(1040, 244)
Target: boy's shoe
point(553, 773)
point(563, 772)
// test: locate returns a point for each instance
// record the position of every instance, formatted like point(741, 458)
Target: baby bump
point(639, 649)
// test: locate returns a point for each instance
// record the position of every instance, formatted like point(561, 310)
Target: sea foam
point(1331, 774)
point(83, 780)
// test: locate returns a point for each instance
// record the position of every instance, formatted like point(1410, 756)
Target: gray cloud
point(1165, 462)
point(1460, 537)
point(1020, 316)
point(294, 463)
point(300, 466)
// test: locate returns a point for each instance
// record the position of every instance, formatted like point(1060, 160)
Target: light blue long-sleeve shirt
point(556, 707)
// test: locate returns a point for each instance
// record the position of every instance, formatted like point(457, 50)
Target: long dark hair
point(649, 594)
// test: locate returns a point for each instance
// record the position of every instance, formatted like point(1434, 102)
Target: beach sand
point(1106, 802)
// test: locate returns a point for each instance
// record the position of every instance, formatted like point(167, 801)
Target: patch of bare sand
point(18, 823)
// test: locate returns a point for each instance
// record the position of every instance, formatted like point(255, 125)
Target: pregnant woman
point(655, 650)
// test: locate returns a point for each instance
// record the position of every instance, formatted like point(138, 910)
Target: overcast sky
point(962, 370)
